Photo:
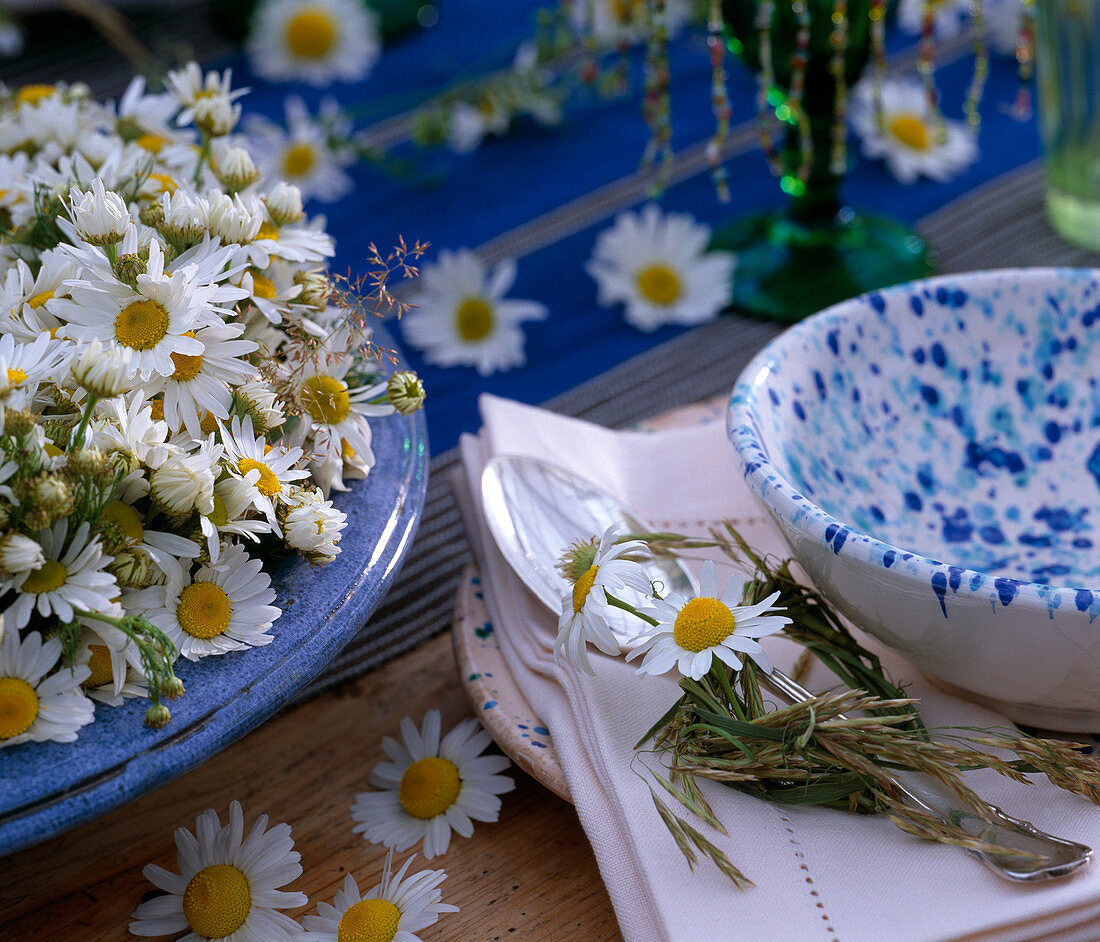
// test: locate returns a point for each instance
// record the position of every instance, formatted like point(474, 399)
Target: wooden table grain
point(531, 875)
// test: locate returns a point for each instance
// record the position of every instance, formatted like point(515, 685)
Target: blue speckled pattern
point(961, 423)
point(46, 788)
point(931, 453)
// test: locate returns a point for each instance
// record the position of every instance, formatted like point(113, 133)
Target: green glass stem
point(816, 251)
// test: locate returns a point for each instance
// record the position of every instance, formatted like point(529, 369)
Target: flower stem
point(77, 441)
point(627, 607)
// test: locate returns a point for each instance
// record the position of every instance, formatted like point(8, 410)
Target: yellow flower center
point(429, 787)
point(326, 399)
point(209, 423)
point(474, 319)
point(203, 611)
point(267, 231)
point(625, 11)
point(18, 706)
point(703, 623)
point(125, 518)
point(52, 450)
point(268, 484)
point(167, 184)
point(220, 515)
point(101, 667)
point(346, 451)
point(310, 33)
point(39, 299)
point(582, 587)
point(187, 365)
point(263, 287)
point(50, 576)
point(33, 94)
point(141, 325)
point(153, 143)
point(16, 376)
point(156, 407)
point(911, 129)
point(298, 160)
point(369, 920)
point(217, 901)
point(659, 284)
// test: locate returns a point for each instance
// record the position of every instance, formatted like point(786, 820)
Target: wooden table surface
point(531, 875)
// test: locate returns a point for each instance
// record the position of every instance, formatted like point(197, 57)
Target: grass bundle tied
point(840, 749)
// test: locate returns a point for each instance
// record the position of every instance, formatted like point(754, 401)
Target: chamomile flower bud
point(133, 568)
point(53, 496)
point(103, 373)
point(235, 169)
point(257, 399)
point(215, 115)
point(158, 716)
point(19, 554)
point(151, 214)
point(172, 688)
point(184, 217)
point(19, 422)
point(87, 462)
point(129, 266)
point(284, 203)
point(315, 288)
point(232, 219)
point(405, 392)
point(100, 216)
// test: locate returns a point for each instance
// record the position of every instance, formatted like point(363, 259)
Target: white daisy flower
point(114, 663)
point(185, 482)
point(163, 548)
point(35, 707)
point(948, 16)
point(103, 373)
point(101, 217)
point(271, 295)
point(140, 115)
point(693, 631)
point(24, 365)
point(267, 469)
point(392, 911)
point(200, 384)
point(27, 315)
point(909, 139)
point(615, 21)
point(226, 607)
point(313, 525)
point(584, 608)
point(461, 317)
point(126, 424)
point(313, 41)
point(192, 88)
point(228, 885)
point(300, 154)
point(19, 555)
point(232, 503)
point(659, 267)
point(154, 321)
point(72, 577)
point(430, 787)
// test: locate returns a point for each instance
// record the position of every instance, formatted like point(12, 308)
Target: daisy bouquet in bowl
point(179, 377)
point(840, 749)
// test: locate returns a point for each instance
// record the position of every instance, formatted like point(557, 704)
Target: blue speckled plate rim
point(227, 721)
point(801, 512)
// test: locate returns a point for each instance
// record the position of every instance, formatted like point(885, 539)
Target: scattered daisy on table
point(228, 885)
point(431, 786)
point(658, 266)
point(461, 316)
point(391, 911)
point(910, 139)
point(313, 41)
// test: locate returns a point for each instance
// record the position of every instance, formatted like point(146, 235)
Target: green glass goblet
point(816, 251)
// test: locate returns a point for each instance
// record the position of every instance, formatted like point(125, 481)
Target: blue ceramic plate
point(47, 788)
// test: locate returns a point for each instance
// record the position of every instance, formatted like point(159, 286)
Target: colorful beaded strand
point(765, 81)
point(838, 39)
point(972, 105)
point(655, 106)
point(877, 15)
point(719, 100)
point(926, 66)
point(800, 60)
point(1025, 61)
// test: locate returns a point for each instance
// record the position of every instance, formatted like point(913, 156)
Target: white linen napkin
point(820, 874)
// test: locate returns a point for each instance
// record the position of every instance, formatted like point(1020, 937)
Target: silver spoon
point(535, 510)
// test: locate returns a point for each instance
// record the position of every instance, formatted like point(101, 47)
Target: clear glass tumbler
point(1068, 65)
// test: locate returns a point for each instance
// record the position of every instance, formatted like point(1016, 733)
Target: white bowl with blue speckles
point(931, 453)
